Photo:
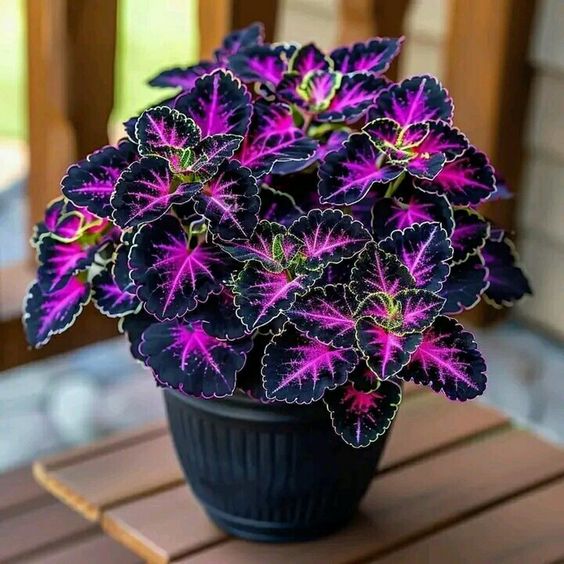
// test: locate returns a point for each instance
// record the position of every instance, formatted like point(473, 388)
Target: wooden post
point(217, 17)
point(489, 77)
point(70, 51)
point(362, 19)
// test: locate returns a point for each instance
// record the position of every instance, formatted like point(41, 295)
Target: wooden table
point(459, 483)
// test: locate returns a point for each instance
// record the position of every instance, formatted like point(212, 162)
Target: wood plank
point(20, 490)
point(39, 528)
point(527, 529)
point(433, 423)
point(91, 485)
point(425, 422)
point(98, 549)
point(163, 526)
point(413, 501)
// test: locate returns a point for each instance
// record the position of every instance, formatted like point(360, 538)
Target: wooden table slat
point(97, 549)
point(30, 531)
point(411, 502)
point(92, 484)
point(18, 489)
point(425, 422)
point(527, 529)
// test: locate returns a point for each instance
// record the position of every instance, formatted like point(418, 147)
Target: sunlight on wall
point(151, 36)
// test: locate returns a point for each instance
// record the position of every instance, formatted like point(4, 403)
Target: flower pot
point(269, 472)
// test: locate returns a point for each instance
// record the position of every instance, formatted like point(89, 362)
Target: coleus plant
point(291, 224)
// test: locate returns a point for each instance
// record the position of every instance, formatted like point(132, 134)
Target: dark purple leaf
point(90, 182)
point(240, 39)
point(230, 202)
point(309, 58)
point(377, 271)
point(448, 360)
point(507, 282)
point(278, 206)
point(110, 299)
point(262, 63)
point(425, 250)
point(219, 317)
point(465, 285)
point(416, 99)
point(326, 314)
point(182, 77)
point(165, 132)
point(346, 175)
point(313, 92)
point(145, 192)
point(133, 325)
point(328, 236)
point(299, 369)
point(443, 138)
point(419, 308)
point(397, 143)
point(355, 94)
point(470, 233)
point(170, 274)
point(120, 267)
point(185, 358)
point(261, 295)
point(384, 310)
point(469, 179)
point(212, 152)
point(407, 207)
point(47, 314)
point(336, 273)
point(333, 143)
point(359, 418)
point(363, 379)
point(385, 352)
point(260, 247)
point(274, 144)
point(372, 56)
point(59, 261)
point(218, 103)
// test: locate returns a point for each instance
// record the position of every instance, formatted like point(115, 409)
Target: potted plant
point(284, 242)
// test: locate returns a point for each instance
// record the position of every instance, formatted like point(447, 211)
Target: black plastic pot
point(269, 472)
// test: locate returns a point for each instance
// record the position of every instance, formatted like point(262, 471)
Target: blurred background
point(72, 70)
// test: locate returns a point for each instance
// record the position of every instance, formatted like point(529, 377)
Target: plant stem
point(393, 186)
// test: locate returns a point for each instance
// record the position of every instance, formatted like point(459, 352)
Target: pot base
point(260, 531)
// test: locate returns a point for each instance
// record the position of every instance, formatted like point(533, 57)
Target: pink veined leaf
point(326, 314)
point(328, 236)
point(346, 175)
point(90, 182)
point(385, 353)
point(414, 100)
point(507, 282)
point(359, 417)
point(219, 103)
point(50, 313)
point(261, 295)
point(354, 95)
point(185, 358)
point(465, 285)
point(448, 360)
point(274, 144)
point(378, 271)
point(165, 132)
point(374, 56)
point(471, 231)
point(145, 192)
point(238, 40)
point(299, 369)
point(363, 378)
point(171, 276)
point(260, 246)
point(468, 179)
point(425, 251)
point(262, 63)
point(309, 58)
point(110, 299)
